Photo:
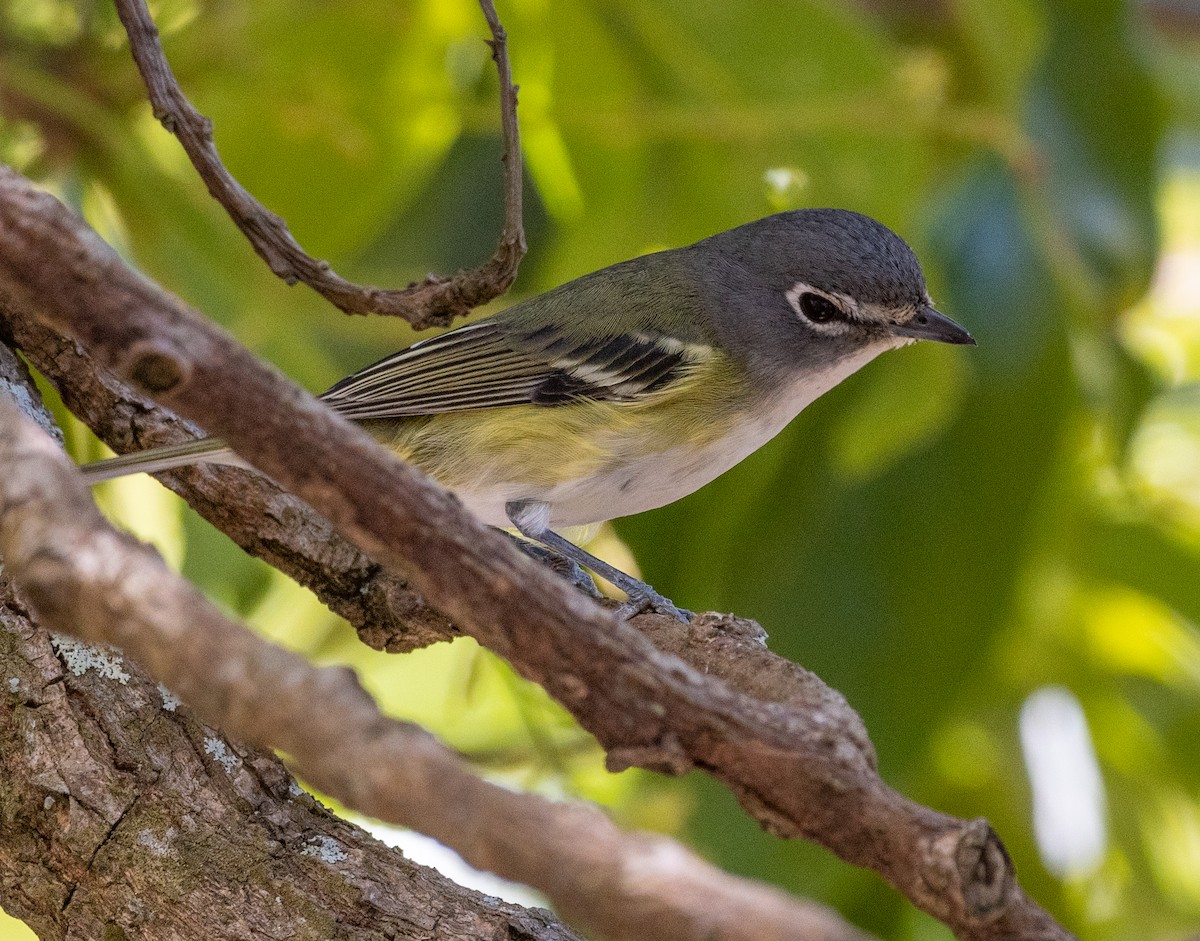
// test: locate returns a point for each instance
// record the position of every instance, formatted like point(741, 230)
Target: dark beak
point(928, 324)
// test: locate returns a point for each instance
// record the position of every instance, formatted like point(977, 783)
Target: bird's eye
point(819, 309)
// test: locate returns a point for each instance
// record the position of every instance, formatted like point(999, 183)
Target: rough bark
point(124, 816)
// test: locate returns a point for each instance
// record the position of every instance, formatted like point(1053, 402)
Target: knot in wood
point(156, 368)
point(984, 868)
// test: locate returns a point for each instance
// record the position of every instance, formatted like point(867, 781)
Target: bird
point(631, 387)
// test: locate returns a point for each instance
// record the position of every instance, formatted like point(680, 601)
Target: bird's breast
point(594, 461)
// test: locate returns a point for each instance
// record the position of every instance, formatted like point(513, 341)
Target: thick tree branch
point(801, 772)
point(115, 795)
point(433, 301)
point(113, 800)
point(108, 588)
point(264, 520)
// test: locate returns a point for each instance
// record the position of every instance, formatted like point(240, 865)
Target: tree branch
point(114, 794)
point(112, 801)
point(109, 588)
point(264, 520)
point(434, 301)
point(801, 772)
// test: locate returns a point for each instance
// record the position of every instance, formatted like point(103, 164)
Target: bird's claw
point(569, 569)
point(650, 600)
point(641, 596)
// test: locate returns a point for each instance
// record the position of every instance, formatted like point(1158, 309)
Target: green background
point(940, 537)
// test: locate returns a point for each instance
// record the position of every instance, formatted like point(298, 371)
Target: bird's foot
point(568, 560)
point(643, 598)
point(572, 571)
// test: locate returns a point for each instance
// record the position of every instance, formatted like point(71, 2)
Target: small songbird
point(633, 386)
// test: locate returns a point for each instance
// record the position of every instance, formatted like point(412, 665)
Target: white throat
point(802, 391)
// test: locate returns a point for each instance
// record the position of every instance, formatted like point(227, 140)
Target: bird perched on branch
point(633, 386)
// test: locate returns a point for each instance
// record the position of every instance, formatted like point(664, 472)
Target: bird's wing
point(493, 363)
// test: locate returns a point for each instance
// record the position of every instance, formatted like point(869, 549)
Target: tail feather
point(199, 451)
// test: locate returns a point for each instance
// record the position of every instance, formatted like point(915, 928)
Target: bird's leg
point(569, 569)
point(532, 520)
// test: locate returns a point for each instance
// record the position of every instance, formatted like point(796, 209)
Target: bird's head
point(813, 287)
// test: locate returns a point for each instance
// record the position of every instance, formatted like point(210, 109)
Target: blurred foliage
point(940, 537)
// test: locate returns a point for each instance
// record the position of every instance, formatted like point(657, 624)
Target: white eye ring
point(832, 327)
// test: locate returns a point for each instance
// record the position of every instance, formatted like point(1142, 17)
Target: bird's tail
point(199, 451)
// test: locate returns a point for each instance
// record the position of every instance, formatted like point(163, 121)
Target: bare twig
point(800, 771)
point(512, 237)
point(435, 300)
point(110, 589)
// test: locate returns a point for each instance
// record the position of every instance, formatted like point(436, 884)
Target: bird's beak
point(928, 324)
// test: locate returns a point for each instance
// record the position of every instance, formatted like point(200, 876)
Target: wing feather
point(491, 363)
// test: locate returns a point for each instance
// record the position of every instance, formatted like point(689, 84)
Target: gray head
point(824, 285)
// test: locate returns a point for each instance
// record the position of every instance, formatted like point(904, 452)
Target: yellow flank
point(548, 445)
